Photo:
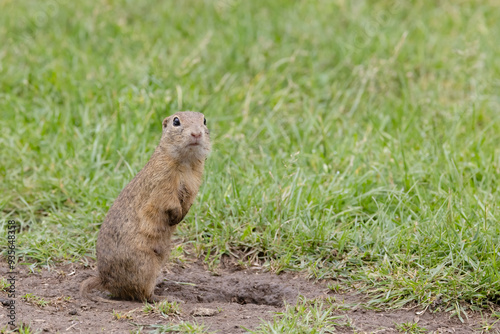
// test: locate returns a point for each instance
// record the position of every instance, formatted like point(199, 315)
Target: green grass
point(410, 328)
point(35, 300)
point(20, 328)
point(181, 327)
point(164, 308)
point(352, 139)
point(311, 317)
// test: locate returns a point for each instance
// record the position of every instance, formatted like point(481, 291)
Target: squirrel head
point(185, 137)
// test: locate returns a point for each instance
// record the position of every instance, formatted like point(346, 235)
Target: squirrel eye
point(176, 122)
point(204, 121)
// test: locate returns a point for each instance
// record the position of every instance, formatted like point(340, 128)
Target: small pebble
point(5, 302)
point(204, 312)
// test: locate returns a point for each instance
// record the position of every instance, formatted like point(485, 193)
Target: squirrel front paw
point(174, 216)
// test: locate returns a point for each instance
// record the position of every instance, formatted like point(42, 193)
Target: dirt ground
point(241, 299)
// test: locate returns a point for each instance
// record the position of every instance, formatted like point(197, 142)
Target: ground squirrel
point(134, 240)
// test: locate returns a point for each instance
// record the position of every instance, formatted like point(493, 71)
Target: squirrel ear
point(165, 122)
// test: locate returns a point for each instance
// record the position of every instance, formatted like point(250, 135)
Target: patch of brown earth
point(236, 299)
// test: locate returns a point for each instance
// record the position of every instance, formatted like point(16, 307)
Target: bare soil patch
point(239, 299)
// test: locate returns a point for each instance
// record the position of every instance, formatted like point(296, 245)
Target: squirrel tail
point(92, 283)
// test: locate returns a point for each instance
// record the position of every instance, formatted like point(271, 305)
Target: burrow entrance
point(243, 287)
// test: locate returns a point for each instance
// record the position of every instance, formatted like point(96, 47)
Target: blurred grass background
point(356, 140)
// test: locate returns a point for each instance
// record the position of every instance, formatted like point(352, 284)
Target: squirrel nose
point(196, 134)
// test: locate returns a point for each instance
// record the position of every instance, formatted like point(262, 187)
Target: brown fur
point(134, 240)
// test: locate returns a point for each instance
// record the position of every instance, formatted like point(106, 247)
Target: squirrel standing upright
point(134, 240)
